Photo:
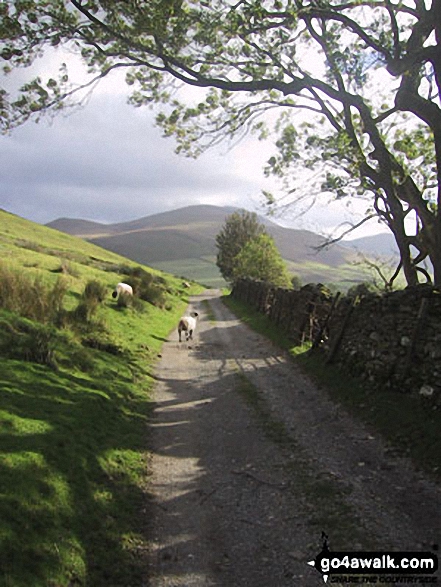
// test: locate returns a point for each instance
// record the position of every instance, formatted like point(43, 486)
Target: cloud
point(108, 162)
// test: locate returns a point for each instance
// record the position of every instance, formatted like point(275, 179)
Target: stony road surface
point(251, 462)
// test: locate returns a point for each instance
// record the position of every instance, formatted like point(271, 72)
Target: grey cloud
point(107, 162)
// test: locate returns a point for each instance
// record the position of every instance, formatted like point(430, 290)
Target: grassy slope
point(72, 439)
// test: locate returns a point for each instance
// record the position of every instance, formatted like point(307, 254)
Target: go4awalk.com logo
point(376, 567)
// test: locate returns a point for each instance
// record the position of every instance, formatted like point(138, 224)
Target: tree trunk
point(435, 255)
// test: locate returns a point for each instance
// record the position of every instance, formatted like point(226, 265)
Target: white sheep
point(188, 325)
point(122, 288)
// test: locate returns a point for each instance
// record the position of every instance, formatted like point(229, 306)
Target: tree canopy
point(260, 259)
point(239, 228)
point(368, 72)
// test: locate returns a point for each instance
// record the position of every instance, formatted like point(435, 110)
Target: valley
point(182, 242)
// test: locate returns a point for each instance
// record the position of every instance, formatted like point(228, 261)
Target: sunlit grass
point(202, 269)
point(73, 443)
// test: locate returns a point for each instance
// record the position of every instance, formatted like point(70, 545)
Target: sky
point(107, 162)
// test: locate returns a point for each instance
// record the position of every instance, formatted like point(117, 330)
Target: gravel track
point(251, 461)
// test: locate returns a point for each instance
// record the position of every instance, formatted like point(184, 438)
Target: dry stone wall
point(390, 340)
point(297, 313)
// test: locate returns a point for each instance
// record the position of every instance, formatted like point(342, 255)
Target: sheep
point(188, 325)
point(122, 288)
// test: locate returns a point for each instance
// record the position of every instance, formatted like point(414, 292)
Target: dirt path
point(251, 461)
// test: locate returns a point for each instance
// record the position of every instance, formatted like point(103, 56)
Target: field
point(341, 277)
point(203, 270)
point(75, 391)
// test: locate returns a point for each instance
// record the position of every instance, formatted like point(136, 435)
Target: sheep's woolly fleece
point(122, 288)
point(188, 325)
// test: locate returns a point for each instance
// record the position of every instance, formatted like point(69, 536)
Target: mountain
point(383, 245)
point(79, 227)
point(183, 242)
point(181, 216)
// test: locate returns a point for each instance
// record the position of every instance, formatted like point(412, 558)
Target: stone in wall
point(390, 340)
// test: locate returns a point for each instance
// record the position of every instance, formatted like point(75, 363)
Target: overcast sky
point(108, 162)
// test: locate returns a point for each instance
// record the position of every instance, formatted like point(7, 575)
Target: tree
point(250, 58)
point(380, 270)
point(260, 259)
point(296, 282)
point(239, 228)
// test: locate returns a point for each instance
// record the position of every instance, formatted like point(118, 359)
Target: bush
point(260, 259)
point(154, 294)
point(93, 295)
point(31, 297)
point(147, 287)
point(360, 290)
point(25, 340)
point(296, 282)
point(95, 290)
point(102, 343)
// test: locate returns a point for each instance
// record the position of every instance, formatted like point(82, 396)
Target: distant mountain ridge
point(382, 244)
point(182, 241)
point(186, 215)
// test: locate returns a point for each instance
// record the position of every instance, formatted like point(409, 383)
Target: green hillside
point(74, 400)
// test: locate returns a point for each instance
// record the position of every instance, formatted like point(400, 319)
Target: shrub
point(31, 297)
point(260, 259)
point(154, 294)
point(296, 282)
point(360, 290)
point(25, 340)
point(148, 287)
point(95, 290)
point(102, 343)
point(93, 295)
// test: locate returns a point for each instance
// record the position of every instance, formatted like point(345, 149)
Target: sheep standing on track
point(122, 288)
point(187, 324)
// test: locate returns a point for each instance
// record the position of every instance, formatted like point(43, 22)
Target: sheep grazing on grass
point(122, 288)
point(187, 324)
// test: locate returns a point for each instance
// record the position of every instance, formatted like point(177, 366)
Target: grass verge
point(73, 460)
point(409, 424)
